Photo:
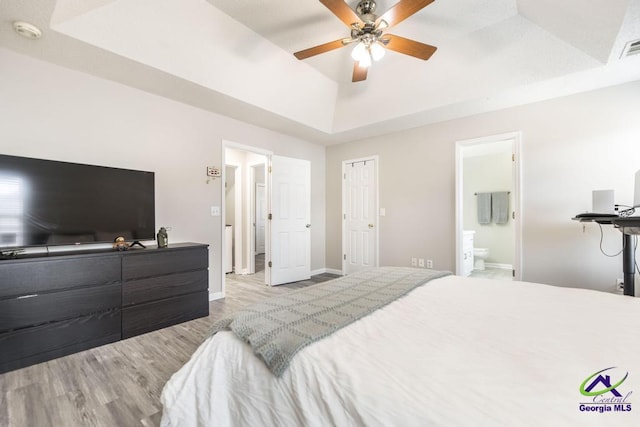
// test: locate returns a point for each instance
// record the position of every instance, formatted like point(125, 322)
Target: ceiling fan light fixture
point(377, 51)
point(365, 61)
point(359, 52)
point(367, 33)
point(364, 53)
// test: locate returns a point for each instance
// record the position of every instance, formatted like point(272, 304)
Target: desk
point(628, 226)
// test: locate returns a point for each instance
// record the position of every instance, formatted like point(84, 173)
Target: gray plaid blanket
point(281, 326)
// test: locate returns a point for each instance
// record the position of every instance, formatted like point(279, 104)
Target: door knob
point(308, 225)
point(370, 225)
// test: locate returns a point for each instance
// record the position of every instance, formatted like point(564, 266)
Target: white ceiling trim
point(599, 22)
point(194, 41)
point(236, 58)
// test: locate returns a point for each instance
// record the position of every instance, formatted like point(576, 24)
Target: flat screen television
point(44, 202)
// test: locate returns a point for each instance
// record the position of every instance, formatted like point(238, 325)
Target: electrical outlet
point(421, 262)
point(414, 262)
point(620, 284)
point(429, 263)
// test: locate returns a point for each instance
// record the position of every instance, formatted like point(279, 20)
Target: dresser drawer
point(143, 318)
point(169, 285)
point(157, 263)
point(52, 305)
point(32, 276)
point(35, 309)
point(32, 345)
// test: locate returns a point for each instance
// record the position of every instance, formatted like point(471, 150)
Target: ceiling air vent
point(631, 48)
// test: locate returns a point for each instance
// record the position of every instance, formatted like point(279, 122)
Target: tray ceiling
point(236, 57)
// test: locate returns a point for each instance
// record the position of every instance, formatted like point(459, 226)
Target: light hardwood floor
point(119, 384)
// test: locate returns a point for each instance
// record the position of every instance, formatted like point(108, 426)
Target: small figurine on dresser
point(120, 244)
point(163, 238)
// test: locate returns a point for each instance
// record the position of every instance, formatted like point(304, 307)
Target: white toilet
point(479, 256)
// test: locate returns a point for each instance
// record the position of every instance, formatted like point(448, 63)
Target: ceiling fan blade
point(359, 73)
point(342, 11)
point(409, 47)
point(316, 50)
point(401, 11)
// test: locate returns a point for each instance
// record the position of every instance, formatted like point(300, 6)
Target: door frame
point(374, 158)
point(237, 220)
point(516, 138)
point(242, 147)
point(255, 211)
point(250, 223)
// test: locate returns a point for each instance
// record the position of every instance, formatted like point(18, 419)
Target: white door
point(290, 222)
point(261, 218)
point(360, 232)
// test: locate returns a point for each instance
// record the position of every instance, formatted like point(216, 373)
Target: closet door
point(360, 240)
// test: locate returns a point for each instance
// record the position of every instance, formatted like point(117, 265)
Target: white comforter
point(454, 352)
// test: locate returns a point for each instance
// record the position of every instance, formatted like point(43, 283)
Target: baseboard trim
point(498, 265)
point(215, 295)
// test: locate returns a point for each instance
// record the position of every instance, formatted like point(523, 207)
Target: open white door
point(290, 257)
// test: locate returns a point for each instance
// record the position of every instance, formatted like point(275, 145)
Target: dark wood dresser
point(57, 304)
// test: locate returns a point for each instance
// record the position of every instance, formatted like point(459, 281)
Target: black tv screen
point(44, 202)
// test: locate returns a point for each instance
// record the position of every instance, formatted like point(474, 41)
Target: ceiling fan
point(367, 32)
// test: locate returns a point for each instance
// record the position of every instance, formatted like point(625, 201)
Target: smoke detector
point(27, 30)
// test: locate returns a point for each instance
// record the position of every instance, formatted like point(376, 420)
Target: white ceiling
point(235, 57)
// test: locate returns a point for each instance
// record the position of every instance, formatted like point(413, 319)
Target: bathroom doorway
point(488, 206)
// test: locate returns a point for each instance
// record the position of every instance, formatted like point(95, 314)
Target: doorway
point(243, 170)
point(488, 206)
point(252, 178)
point(360, 217)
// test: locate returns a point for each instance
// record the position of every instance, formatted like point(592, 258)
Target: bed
point(454, 351)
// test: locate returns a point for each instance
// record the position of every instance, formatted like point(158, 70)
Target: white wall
point(571, 146)
point(50, 112)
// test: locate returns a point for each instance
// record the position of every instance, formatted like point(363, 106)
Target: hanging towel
point(500, 207)
point(484, 208)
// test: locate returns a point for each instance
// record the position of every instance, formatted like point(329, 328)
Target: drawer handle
point(27, 296)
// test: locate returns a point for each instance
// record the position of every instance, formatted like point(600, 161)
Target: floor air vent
point(631, 48)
